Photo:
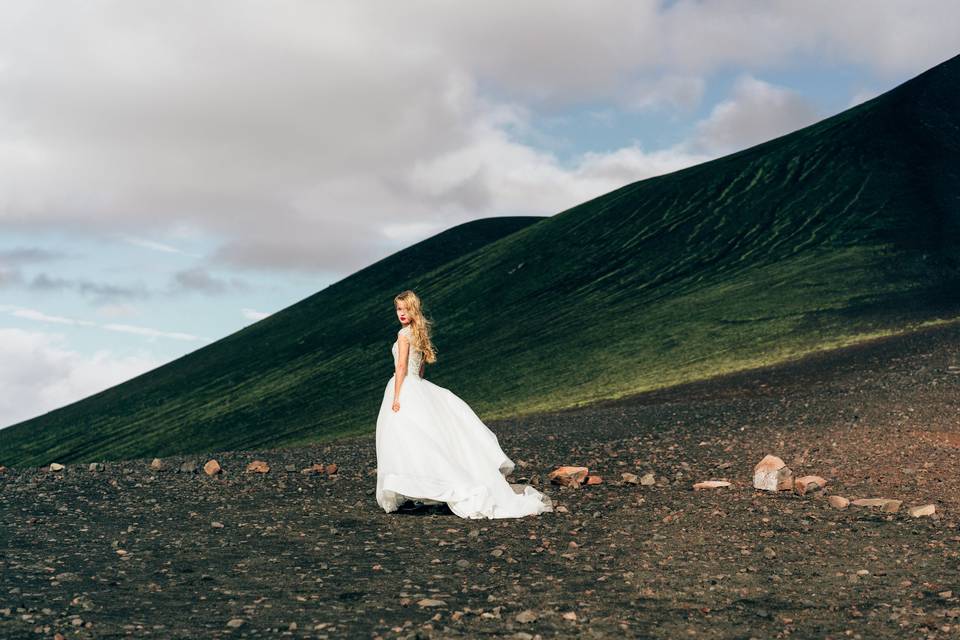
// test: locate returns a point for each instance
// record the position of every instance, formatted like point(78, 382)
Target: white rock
point(925, 510)
point(771, 474)
point(711, 484)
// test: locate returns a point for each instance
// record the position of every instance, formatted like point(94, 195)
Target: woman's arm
point(403, 344)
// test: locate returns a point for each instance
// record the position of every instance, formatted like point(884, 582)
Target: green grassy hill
point(840, 231)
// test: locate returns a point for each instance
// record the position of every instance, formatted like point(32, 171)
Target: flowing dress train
point(436, 450)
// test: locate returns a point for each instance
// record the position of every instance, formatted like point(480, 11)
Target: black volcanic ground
point(313, 556)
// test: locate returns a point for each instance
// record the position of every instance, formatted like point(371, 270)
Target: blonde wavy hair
point(419, 324)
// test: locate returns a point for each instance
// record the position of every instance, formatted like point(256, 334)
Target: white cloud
point(33, 314)
point(151, 333)
point(252, 314)
point(39, 316)
point(38, 373)
point(756, 112)
point(299, 131)
point(668, 91)
point(118, 310)
point(149, 244)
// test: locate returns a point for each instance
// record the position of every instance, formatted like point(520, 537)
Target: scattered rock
point(838, 502)
point(806, 484)
point(711, 484)
point(331, 468)
point(648, 479)
point(96, 466)
point(216, 525)
point(189, 466)
point(924, 510)
point(569, 615)
point(236, 623)
point(431, 602)
point(212, 468)
point(870, 502)
point(258, 466)
point(771, 474)
point(159, 465)
point(892, 506)
point(629, 478)
point(55, 466)
point(568, 476)
point(526, 616)
point(594, 479)
point(3, 469)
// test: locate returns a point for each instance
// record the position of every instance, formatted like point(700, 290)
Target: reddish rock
point(925, 510)
point(771, 474)
point(808, 483)
point(594, 479)
point(870, 502)
point(212, 467)
point(3, 469)
point(331, 468)
point(258, 466)
point(648, 479)
point(568, 476)
point(838, 502)
point(157, 464)
point(892, 506)
point(710, 484)
point(629, 478)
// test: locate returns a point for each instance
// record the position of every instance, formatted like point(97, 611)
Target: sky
point(173, 171)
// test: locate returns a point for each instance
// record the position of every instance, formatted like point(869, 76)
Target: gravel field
point(129, 551)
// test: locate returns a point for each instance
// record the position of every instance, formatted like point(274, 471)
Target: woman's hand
point(396, 406)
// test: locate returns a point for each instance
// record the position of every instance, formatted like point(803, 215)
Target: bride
point(431, 447)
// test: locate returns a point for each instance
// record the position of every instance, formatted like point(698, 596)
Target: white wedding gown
point(435, 449)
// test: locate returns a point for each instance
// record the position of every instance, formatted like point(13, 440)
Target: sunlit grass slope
point(839, 231)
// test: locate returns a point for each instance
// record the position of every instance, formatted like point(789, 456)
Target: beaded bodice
point(414, 356)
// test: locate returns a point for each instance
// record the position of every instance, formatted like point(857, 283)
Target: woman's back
point(414, 356)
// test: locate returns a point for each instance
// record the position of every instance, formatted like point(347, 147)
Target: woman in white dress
point(431, 447)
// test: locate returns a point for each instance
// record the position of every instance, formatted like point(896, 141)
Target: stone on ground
point(212, 468)
point(838, 502)
point(771, 474)
point(258, 466)
point(710, 484)
point(870, 502)
point(568, 476)
point(805, 484)
point(924, 510)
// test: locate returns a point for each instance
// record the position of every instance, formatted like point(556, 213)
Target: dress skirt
point(435, 449)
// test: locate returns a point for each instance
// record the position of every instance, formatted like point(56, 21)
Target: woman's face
point(402, 314)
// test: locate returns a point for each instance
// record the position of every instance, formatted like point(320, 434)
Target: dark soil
point(314, 556)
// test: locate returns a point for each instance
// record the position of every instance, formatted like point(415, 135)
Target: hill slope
point(835, 232)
